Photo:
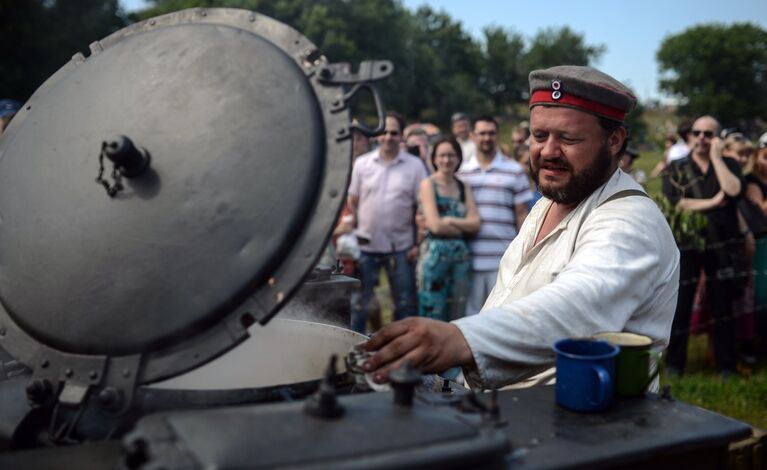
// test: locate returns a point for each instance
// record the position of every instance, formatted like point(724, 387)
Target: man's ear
point(616, 139)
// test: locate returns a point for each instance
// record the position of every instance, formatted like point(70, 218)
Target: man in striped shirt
point(501, 190)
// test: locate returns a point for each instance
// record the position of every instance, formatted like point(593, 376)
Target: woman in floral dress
point(450, 215)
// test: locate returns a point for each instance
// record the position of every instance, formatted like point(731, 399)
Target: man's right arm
point(618, 266)
point(353, 198)
point(353, 202)
point(697, 205)
point(730, 182)
point(675, 187)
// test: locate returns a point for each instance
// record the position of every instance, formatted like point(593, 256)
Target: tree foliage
point(439, 67)
point(504, 74)
point(719, 70)
point(561, 46)
point(37, 37)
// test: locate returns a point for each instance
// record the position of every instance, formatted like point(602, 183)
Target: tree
point(447, 64)
point(636, 124)
point(439, 67)
point(504, 75)
point(561, 46)
point(37, 37)
point(718, 70)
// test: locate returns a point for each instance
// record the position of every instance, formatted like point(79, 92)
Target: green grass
point(646, 162)
point(743, 398)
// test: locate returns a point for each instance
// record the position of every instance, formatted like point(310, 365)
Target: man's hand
point(717, 146)
point(429, 345)
point(412, 254)
point(718, 199)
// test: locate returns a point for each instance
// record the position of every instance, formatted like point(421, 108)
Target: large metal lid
point(245, 130)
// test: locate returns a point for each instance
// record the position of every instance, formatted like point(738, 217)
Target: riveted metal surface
point(246, 181)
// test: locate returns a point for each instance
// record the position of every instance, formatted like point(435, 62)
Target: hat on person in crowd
point(732, 132)
point(763, 141)
point(632, 152)
point(734, 139)
point(459, 117)
point(8, 107)
point(582, 88)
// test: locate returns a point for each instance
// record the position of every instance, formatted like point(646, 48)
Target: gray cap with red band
point(583, 88)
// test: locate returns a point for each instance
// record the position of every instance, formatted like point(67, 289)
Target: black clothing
point(683, 179)
point(720, 296)
point(752, 179)
point(721, 260)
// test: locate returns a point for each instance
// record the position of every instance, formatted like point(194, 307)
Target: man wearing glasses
point(382, 196)
point(501, 190)
point(707, 183)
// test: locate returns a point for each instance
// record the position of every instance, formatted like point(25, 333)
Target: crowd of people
point(417, 201)
point(552, 237)
point(724, 285)
point(437, 211)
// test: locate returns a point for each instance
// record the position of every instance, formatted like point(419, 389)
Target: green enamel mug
point(632, 366)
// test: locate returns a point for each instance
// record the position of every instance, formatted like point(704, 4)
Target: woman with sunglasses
point(450, 214)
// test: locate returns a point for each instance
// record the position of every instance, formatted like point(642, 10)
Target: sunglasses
point(706, 134)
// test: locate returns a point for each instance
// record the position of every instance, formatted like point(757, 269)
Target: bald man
point(705, 182)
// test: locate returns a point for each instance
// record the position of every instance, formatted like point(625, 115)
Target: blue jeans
point(401, 275)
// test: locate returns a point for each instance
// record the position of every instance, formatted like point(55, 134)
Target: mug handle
point(605, 390)
point(657, 355)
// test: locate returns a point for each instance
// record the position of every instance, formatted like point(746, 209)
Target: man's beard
point(487, 148)
point(581, 184)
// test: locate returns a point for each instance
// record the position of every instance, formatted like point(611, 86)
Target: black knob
point(110, 398)
point(121, 151)
point(39, 390)
point(403, 381)
point(324, 403)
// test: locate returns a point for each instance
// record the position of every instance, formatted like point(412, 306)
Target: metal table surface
point(632, 434)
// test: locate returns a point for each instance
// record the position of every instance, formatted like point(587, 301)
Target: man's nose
point(550, 147)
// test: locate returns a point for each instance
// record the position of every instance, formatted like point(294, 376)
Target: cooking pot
point(281, 353)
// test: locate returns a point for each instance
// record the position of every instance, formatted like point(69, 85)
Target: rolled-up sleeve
point(609, 276)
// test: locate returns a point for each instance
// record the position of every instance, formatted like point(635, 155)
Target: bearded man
point(595, 254)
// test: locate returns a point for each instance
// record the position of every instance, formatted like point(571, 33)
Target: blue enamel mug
point(585, 374)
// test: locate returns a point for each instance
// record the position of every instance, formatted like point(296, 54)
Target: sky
point(631, 31)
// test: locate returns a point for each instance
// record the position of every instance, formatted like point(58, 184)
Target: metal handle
point(657, 356)
point(380, 111)
point(368, 72)
point(605, 389)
